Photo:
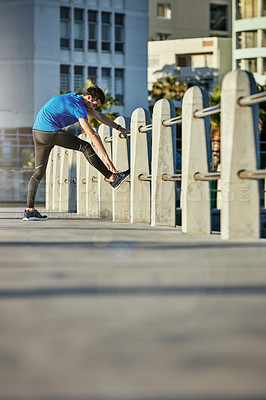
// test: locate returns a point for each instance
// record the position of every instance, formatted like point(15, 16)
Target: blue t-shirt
point(60, 111)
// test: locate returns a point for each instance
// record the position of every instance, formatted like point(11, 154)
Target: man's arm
point(107, 121)
point(97, 142)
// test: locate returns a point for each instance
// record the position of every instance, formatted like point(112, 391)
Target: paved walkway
point(95, 310)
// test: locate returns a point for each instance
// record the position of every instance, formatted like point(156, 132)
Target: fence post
point(163, 194)
point(56, 177)
point(105, 190)
point(140, 197)
point(49, 182)
point(240, 209)
point(68, 186)
point(196, 145)
point(92, 197)
point(81, 179)
point(121, 196)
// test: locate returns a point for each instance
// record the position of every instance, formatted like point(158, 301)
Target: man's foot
point(34, 216)
point(119, 178)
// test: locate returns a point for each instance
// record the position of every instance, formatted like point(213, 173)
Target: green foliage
point(215, 99)
point(169, 88)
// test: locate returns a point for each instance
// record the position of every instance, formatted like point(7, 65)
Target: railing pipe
point(253, 99)
point(207, 111)
point(144, 129)
point(209, 176)
point(172, 121)
point(257, 174)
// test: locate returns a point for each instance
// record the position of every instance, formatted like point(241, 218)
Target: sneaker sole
point(34, 219)
point(118, 186)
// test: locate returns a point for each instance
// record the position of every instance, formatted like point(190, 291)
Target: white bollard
point(92, 197)
point(105, 190)
point(219, 190)
point(163, 194)
point(49, 182)
point(240, 209)
point(81, 179)
point(121, 196)
point(68, 186)
point(140, 191)
point(56, 177)
point(196, 145)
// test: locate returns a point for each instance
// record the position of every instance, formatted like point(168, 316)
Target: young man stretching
point(57, 113)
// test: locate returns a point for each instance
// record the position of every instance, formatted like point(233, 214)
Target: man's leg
point(69, 141)
point(42, 152)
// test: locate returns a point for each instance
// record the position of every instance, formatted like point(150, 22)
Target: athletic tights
point(44, 143)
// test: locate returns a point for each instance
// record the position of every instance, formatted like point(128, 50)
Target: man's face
point(92, 103)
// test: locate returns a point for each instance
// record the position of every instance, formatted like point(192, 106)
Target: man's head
point(93, 97)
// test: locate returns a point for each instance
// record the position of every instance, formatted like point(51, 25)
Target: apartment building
point(249, 37)
point(51, 46)
point(199, 60)
point(182, 19)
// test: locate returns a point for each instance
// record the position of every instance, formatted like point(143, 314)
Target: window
point(163, 36)
point(246, 9)
point(78, 29)
point(106, 31)
point(119, 33)
point(92, 30)
point(264, 39)
point(218, 17)
point(245, 40)
point(119, 85)
point(183, 60)
point(252, 65)
point(78, 78)
point(92, 74)
point(202, 60)
point(106, 79)
point(164, 11)
point(264, 66)
point(65, 28)
point(64, 78)
point(264, 8)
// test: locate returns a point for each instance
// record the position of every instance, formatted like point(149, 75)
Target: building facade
point(52, 46)
point(181, 19)
point(199, 60)
point(249, 37)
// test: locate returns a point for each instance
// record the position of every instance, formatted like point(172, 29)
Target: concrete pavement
point(95, 310)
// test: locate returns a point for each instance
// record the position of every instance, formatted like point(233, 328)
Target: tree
point(169, 88)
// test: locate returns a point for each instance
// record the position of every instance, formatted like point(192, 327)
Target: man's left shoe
point(119, 178)
point(34, 215)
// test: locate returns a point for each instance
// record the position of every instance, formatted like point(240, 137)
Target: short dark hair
point(96, 93)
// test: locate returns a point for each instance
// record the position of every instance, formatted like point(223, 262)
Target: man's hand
point(124, 132)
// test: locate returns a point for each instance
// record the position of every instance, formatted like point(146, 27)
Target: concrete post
point(92, 197)
point(240, 212)
point(105, 190)
point(68, 186)
point(163, 198)
point(121, 196)
point(49, 182)
point(196, 145)
point(140, 191)
point(81, 179)
point(56, 177)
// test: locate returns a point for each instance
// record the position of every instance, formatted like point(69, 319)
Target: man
point(58, 113)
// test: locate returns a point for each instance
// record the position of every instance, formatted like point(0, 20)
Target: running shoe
point(34, 216)
point(119, 178)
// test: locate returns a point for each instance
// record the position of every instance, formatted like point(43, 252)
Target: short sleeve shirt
point(60, 111)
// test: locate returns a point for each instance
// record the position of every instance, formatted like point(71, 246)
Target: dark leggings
point(44, 143)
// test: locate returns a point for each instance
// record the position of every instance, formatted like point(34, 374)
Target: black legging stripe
point(44, 143)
